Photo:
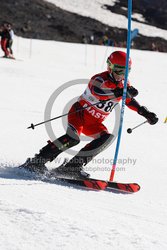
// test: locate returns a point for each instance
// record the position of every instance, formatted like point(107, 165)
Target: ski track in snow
point(39, 214)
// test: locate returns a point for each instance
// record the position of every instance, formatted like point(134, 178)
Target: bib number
point(105, 106)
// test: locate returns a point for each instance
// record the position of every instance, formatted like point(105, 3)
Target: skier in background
point(10, 41)
point(6, 34)
point(106, 87)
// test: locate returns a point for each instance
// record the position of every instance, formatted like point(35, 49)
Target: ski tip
point(130, 188)
point(137, 187)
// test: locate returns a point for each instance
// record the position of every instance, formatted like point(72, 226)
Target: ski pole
point(129, 130)
point(57, 117)
point(124, 92)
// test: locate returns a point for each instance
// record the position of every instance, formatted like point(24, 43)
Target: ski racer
point(103, 92)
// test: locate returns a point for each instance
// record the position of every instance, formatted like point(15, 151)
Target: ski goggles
point(117, 69)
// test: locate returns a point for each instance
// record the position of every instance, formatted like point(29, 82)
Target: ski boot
point(50, 152)
point(35, 164)
point(70, 170)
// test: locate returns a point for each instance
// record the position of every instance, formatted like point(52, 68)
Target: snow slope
point(42, 215)
point(95, 10)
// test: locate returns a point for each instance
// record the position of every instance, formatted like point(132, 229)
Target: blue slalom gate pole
point(124, 91)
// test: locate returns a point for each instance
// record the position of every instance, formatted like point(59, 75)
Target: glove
point(151, 117)
point(132, 91)
point(118, 92)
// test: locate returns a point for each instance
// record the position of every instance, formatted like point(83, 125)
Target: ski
point(10, 58)
point(94, 184)
point(124, 187)
point(97, 184)
point(88, 183)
